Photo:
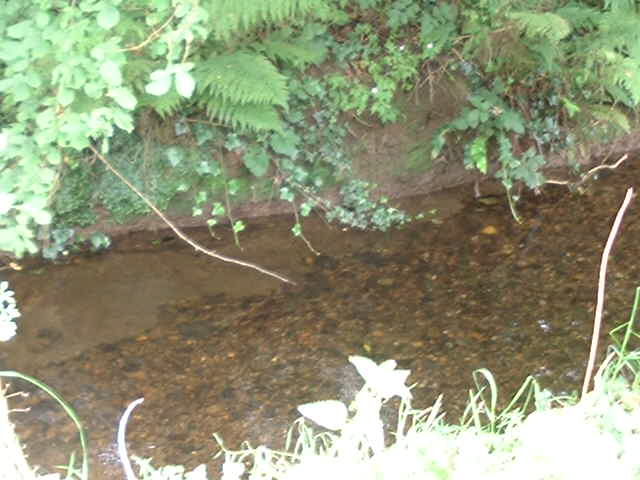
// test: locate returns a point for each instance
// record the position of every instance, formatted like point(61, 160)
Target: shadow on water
point(217, 348)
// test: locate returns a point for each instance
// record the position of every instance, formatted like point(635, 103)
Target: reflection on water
point(215, 348)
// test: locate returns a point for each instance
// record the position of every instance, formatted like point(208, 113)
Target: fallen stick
point(181, 234)
point(601, 289)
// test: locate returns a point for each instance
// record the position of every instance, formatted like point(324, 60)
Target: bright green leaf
point(66, 96)
point(110, 71)
point(218, 209)
point(108, 17)
point(6, 202)
point(238, 226)
point(160, 83)
point(478, 153)
point(124, 97)
point(185, 84)
point(42, 217)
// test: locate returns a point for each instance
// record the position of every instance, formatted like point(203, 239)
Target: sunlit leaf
point(185, 84)
point(124, 98)
point(110, 71)
point(160, 83)
point(330, 414)
point(108, 17)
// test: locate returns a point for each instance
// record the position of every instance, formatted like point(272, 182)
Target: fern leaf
point(548, 25)
point(298, 51)
point(164, 105)
point(579, 16)
point(626, 74)
point(231, 16)
point(609, 115)
point(248, 116)
point(241, 78)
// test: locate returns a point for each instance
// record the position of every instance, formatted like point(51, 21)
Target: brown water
point(217, 348)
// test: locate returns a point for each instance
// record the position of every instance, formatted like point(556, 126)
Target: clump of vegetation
point(274, 86)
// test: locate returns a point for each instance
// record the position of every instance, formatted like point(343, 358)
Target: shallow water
point(217, 348)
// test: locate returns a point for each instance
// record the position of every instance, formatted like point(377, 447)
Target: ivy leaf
point(185, 84)
point(108, 17)
point(285, 144)
point(256, 161)
point(160, 83)
point(110, 71)
point(175, 155)
point(512, 120)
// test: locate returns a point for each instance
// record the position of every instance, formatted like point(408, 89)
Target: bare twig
point(181, 234)
point(601, 284)
point(122, 443)
point(155, 34)
point(590, 173)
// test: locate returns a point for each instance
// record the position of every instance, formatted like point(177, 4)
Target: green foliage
point(75, 74)
point(359, 210)
point(241, 87)
point(73, 202)
point(72, 73)
point(491, 119)
point(540, 74)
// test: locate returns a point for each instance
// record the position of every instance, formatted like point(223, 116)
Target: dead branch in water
point(601, 284)
point(181, 234)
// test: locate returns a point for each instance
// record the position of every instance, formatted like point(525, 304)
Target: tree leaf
point(66, 96)
point(124, 98)
point(185, 84)
point(110, 71)
point(108, 17)
point(330, 414)
point(160, 83)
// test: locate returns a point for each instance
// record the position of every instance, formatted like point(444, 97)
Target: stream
point(215, 347)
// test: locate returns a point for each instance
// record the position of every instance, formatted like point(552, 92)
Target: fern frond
point(548, 25)
point(230, 16)
point(579, 16)
point(626, 74)
point(164, 105)
point(248, 116)
point(609, 115)
point(241, 78)
point(298, 51)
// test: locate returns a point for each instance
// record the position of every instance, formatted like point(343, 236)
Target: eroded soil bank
point(216, 348)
